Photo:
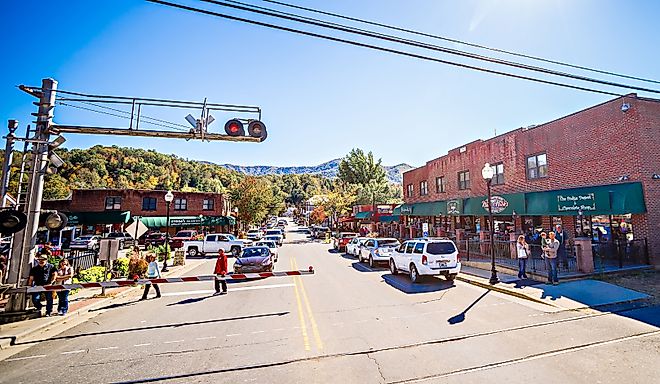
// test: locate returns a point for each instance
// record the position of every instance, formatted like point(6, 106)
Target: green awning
point(93, 218)
point(502, 205)
point(388, 218)
point(397, 210)
point(187, 221)
point(615, 199)
point(433, 208)
point(363, 215)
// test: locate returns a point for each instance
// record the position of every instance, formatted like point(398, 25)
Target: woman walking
point(221, 269)
point(152, 273)
point(523, 253)
point(64, 276)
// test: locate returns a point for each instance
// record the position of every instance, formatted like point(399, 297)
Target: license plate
point(442, 264)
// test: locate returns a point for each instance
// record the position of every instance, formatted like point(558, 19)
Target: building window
point(180, 204)
point(148, 203)
point(410, 190)
point(208, 205)
point(464, 180)
point(112, 203)
point(440, 184)
point(498, 172)
point(423, 188)
point(537, 166)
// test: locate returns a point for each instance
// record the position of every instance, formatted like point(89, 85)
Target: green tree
point(253, 197)
point(358, 168)
point(55, 187)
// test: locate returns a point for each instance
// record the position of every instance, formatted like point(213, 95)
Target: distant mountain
point(328, 169)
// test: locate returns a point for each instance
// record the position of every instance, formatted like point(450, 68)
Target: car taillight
point(458, 257)
point(425, 260)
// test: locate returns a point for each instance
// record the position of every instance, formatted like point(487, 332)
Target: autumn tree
point(318, 215)
point(253, 197)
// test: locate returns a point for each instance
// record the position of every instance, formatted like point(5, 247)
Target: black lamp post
point(581, 223)
point(168, 199)
point(487, 173)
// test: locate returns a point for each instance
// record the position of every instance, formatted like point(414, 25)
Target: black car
point(125, 239)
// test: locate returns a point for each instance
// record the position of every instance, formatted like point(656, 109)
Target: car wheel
point(414, 275)
point(451, 276)
point(192, 252)
point(393, 269)
point(371, 261)
point(235, 251)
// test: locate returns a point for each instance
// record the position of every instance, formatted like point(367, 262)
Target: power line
point(379, 48)
point(400, 29)
point(396, 39)
point(174, 125)
point(116, 115)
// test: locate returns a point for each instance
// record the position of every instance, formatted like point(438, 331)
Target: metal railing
point(81, 259)
point(622, 253)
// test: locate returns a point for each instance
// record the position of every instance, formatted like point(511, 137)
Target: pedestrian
point(543, 240)
point(523, 253)
point(562, 237)
point(64, 276)
point(152, 273)
point(220, 269)
point(551, 249)
point(42, 274)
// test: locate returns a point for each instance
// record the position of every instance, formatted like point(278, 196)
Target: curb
point(7, 341)
point(503, 290)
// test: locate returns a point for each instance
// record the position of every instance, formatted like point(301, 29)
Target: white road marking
point(26, 358)
point(278, 330)
point(361, 321)
point(106, 348)
point(173, 341)
point(209, 291)
point(143, 321)
point(255, 332)
point(233, 334)
point(206, 338)
point(72, 352)
point(338, 324)
point(142, 345)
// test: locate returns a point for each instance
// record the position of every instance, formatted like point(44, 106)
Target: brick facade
point(595, 146)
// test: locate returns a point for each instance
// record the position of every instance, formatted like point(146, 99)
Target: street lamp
point(487, 173)
point(581, 223)
point(168, 199)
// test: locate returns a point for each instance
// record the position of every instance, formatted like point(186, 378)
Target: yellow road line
point(312, 320)
point(301, 317)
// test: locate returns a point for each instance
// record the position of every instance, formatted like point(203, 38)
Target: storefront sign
point(576, 202)
point(384, 209)
point(406, 209)
point(497, 203)
point(454, 207)
point(184, 221)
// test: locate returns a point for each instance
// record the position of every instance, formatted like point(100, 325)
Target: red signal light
point(234, 127)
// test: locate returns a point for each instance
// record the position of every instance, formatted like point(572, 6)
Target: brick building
point(595, 171)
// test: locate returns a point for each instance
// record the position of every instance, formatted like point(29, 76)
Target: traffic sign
point(141, 228)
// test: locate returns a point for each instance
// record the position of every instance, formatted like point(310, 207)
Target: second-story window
point(464, 180)
point(409, 190)
point(180, 204)
point(423, 188)
point(498, 177)
point(537, 166)
point(440, 186)
point(148, 203)
point(112, 203)
point(208, 205)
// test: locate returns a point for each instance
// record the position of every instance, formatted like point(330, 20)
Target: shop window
point(409, 190)
point(112, 203)
point(148, 203)
point(180, 204)
point(208, 204)
point(440, 184)
point(498, 172)
point(423, 188)
point(464, 180)
point(537, 166)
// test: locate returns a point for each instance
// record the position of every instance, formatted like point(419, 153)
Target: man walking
point(561, 236)
point(551, 248)
point(42, 274)
point(221, 269)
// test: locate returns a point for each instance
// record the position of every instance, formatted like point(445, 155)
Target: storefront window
point(622, 228)
point(600, 228)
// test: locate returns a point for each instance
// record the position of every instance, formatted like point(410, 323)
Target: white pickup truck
point(213, 242)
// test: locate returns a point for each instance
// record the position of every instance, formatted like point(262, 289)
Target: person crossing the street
point(152, 273)
point(43, 273)
point(220, 269)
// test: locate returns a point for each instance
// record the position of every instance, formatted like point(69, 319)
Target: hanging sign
point(497, 203)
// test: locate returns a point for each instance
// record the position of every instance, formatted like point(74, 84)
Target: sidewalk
point(80, 303)
point(568, 295)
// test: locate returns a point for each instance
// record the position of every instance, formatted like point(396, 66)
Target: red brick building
point(595, 171)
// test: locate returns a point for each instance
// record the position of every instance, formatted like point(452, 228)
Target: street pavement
point(346, 323)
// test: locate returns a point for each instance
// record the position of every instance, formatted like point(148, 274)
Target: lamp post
point(236, 217)
point(487, 173)
point(513, 215)
point(581, 222)
point(168, 199)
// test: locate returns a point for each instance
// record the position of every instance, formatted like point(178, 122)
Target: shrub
point(137, 267)
point(91, 275)
point(162, 251)
point(121, 266)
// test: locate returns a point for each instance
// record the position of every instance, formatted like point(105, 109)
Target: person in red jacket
point(221, 269)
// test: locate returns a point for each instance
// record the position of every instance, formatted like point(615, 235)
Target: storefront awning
point(434, 208)
point(187, 221)
point(502, 205)
point(93, 218)
point(363, 215)
point(397, 210)
point(346, 219)
point(388, 218)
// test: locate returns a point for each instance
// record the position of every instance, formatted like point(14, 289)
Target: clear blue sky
point(319, 98)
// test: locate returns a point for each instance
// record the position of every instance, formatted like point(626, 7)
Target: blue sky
point(320, 98)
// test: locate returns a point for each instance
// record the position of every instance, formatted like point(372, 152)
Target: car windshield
point(388, 243)
point(116, 235)
point(183, 234)
point(277, 232)
point(154, 235)
point(444, 248)
point(273, 238)
point(230, 237)
point(256, 252)
point(268, 244)
point(85, 238)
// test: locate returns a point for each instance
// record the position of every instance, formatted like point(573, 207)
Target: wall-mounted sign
point(183, 221)
point(497, 203)
point(384, 209)
point(454, 207)
point(576, 202)
point(406, 209)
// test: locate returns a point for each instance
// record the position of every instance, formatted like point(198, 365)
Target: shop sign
point(454, 207)
point(576, 202)
point(183, 221)
point(74, 219)
point(384, 209)
point(407, 209)
point(497, 203)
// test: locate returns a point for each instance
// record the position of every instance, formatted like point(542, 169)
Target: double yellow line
point(299, 289)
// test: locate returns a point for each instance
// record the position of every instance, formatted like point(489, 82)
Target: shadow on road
point(348, 257)
point(426, 284)
point(461, 316)
point(190, 300)
point(163, 326)
point(365, 268)
point(114, 306)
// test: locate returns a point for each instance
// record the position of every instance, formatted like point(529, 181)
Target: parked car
point(271, 245)
point(320, 232)
point(353, 247)
point(275, 232)
point(426, 257)
point(378, 250)
point(154, 239)
point(125, 239)
point(213, 242)
point(177, 240)
point(254, 259)
point(282, 223)
point(278, 239)
point(339, 242)
point(90, 242)
point(254, 234)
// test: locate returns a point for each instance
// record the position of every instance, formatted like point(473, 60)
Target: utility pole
point(25, 240)
point(12, 125)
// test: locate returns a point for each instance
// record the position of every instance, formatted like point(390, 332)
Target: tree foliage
point(254, 198)
point(360, 168)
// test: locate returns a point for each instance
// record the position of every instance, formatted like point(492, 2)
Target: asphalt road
point(346, 323)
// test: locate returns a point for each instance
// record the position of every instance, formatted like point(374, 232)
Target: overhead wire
point(325, 24)
point(379, 48)
point(456, 41)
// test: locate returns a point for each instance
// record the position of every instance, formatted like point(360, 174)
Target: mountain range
point(328, 169)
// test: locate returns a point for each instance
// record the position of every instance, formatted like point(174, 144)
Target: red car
point(181, 236)
point(340, 242)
